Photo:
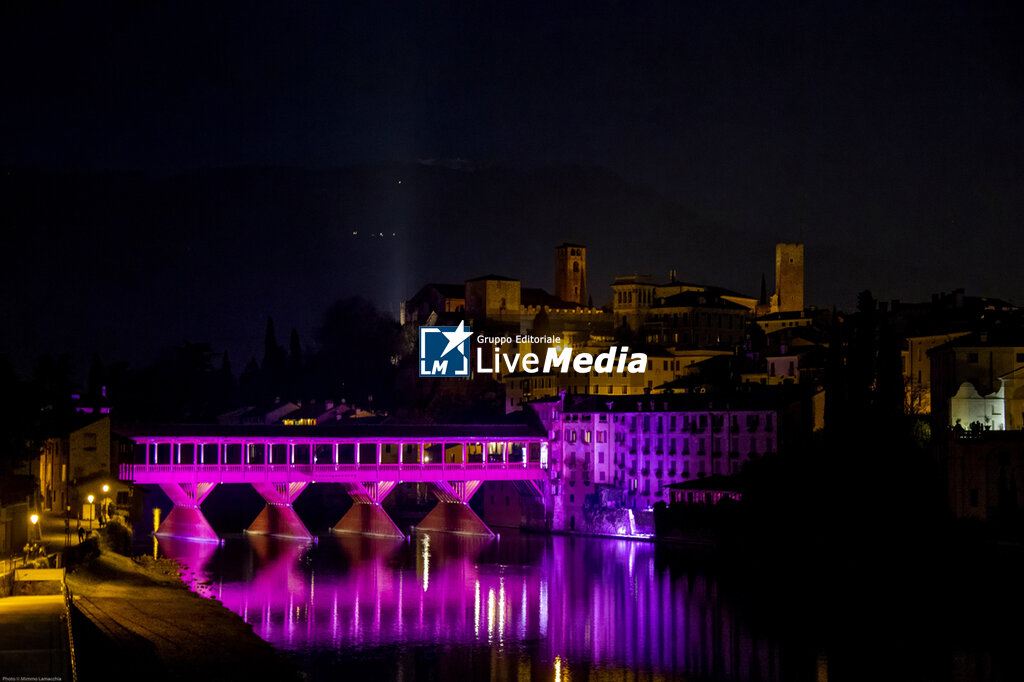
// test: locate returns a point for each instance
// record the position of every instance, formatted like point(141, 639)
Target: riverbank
point(134, 618)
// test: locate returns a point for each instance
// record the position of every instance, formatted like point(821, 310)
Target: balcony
point(734, 454)
point(716, 454)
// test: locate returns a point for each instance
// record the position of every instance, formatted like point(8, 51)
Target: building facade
point(624, 452)
point(571, 273)
point(789, 278)
point(80, 463)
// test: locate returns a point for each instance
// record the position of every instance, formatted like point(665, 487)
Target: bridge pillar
point(367, 516)
point(278, 517)
point(452, 513)
point(186, 520)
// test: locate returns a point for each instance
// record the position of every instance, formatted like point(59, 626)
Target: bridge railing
point(240, 473)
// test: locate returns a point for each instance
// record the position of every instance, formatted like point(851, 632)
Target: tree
point(356, 349)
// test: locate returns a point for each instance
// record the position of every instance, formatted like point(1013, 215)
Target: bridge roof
point(354, 431)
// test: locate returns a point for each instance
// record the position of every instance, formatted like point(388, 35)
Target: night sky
point(664, 135)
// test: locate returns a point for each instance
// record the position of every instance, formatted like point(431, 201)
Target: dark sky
point(889, 137)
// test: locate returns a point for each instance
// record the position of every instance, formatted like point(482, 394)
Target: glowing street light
point(92, 510)
point(105, 505)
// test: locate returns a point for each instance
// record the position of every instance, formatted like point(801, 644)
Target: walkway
point(33, 638)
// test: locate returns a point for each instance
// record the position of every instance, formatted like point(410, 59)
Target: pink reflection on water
point(598, 603)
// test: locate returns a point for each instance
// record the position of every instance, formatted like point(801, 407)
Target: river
point(536, 607)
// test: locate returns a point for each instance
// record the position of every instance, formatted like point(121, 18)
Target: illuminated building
point(696, 319)
point(663, 367)
point(991, 363)
point(789, 279)
point(674, 320)
point(77, 464)
point(447, 300)
point(571, 273)
point(917, 370)
point(631, 448)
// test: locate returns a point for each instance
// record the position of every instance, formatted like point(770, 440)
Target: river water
point(535, 607)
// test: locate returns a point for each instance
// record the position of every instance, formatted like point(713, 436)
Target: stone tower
point(571, 273)
point(789, 278)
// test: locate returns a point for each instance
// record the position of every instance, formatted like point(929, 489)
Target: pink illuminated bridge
point(188, 461)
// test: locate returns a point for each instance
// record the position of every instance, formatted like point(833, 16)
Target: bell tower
point(789, 278)
point(571, 273)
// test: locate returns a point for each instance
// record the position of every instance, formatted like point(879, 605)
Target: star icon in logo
point(455, 338)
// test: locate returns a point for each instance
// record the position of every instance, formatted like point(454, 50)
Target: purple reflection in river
point(552, 606)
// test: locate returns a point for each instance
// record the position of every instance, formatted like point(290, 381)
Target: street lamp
point(105, 505)
point(34, 518)
point(92, 511)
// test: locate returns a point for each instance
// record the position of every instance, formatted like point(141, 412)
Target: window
point(972, 358)
point(90, 441)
